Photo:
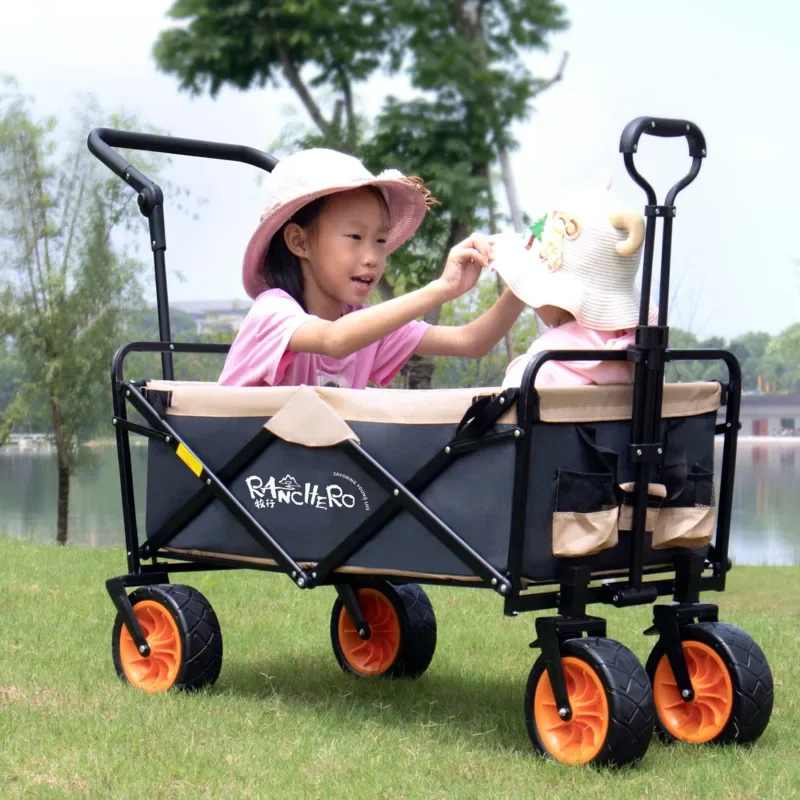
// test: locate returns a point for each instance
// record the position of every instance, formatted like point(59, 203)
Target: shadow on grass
point(484, 710)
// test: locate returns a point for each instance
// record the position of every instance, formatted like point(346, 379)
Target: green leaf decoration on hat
point(534, 231)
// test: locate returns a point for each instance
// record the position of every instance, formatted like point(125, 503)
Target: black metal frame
point(574, 591)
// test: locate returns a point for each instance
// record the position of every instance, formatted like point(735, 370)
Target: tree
point(62, 280)
point(781, 362)
point(491, 369)
point(463, 58)
point(252, 43)
point(750, 348)
point(9, 378)
point(143, 327)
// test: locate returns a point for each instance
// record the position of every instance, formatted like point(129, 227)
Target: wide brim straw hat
point(309, 174)
point(582, 256)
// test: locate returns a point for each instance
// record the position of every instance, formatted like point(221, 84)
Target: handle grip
point(665, 128)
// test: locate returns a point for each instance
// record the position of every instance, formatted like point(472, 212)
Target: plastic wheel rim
point(580, 739)
point(158, 671)
point(376, 655)
point(704, 718)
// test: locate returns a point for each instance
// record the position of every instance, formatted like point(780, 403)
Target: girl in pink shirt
point(577, 267)
point(318, 252)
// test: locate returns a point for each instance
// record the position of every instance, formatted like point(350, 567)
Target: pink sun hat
point(304, 176)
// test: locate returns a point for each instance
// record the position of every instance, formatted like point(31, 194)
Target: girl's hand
point(464, 265)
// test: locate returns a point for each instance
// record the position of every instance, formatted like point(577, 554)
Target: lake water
point(765, 527)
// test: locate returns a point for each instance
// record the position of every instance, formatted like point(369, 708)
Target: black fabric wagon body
point(309, 494)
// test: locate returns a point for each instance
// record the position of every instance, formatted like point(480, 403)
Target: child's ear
point(296, 240)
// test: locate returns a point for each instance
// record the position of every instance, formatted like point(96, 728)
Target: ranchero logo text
point(287, 491)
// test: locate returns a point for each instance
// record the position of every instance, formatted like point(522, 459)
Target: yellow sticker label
point(190, 459)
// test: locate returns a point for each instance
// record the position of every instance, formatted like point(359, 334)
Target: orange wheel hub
point(580, 739)
point(705, 717)
point(373, 656)
point(158, 671)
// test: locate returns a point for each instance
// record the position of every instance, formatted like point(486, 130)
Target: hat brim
point(406, 205)
point(529, 279)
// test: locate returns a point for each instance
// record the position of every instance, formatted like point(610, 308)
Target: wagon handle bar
point(102, 142)
point(663, 128)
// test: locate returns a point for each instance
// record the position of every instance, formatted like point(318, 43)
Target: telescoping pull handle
point(665, 128)
point(655, 126)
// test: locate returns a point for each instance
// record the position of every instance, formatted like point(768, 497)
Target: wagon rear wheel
point(612, 705)
point(403, 632)
point(184, 637)
point(732, 683)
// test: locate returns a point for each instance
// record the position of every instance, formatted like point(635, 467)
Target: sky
point(729, 66)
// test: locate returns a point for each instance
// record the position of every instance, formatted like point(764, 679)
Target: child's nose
point(370, 255)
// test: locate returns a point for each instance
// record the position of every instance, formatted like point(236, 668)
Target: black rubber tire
point(201, 638)
point(751, 679)
point(417, 629)
point(628, 693)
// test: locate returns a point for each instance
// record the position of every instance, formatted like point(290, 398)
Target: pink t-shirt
point(572, 336)
point(260, 356)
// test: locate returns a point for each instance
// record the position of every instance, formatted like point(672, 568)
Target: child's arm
point(476, 338)
point(339, 338)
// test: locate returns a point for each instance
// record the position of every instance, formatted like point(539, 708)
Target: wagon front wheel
point(611, 700)
point(732, 682)
point(184, 637)
point(403, 632)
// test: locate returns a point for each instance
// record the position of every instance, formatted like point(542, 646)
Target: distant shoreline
point(758, 440)
point(748, 441)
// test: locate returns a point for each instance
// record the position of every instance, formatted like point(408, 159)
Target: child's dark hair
point(282, 267)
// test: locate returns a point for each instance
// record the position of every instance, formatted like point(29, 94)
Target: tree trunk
point(64, 470)
point(419, 372)
point(419, 369)
point(509, 337)
point(511, 188)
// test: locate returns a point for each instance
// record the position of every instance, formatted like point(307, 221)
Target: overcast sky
point(730, 66)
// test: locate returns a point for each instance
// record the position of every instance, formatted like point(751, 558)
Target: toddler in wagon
point(576, 266)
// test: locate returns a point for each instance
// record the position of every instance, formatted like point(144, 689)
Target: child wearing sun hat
point(576, 265)
point(318, 252)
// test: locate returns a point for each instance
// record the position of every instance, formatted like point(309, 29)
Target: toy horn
point(632, 222)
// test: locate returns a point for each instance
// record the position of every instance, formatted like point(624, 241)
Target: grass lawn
point(284, 721)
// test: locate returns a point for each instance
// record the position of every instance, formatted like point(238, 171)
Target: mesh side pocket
point(586, 513)
point(585, 492)
point(700, 489)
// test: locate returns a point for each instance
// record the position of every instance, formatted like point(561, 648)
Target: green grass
point(284, 721)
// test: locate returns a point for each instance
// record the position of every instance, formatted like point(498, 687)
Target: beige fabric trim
point(653, 489)
point(684, 527)
point(433, 407)
point(614, 403)
point(311, 564)
point(401, 573)
point(626, 518)
point(626, 512)
point(666, 566)
point(584, 534)
point(309, 420)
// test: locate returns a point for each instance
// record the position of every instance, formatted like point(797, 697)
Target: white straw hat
point(304, 176)
point(581, 256)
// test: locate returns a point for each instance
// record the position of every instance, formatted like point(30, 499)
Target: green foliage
point(491, 369)
point(768, 364)
point(463, 59)
point(63, 282)
point(143, 327)
point(251, 43)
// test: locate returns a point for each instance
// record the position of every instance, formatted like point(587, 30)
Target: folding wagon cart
point(554, 498)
